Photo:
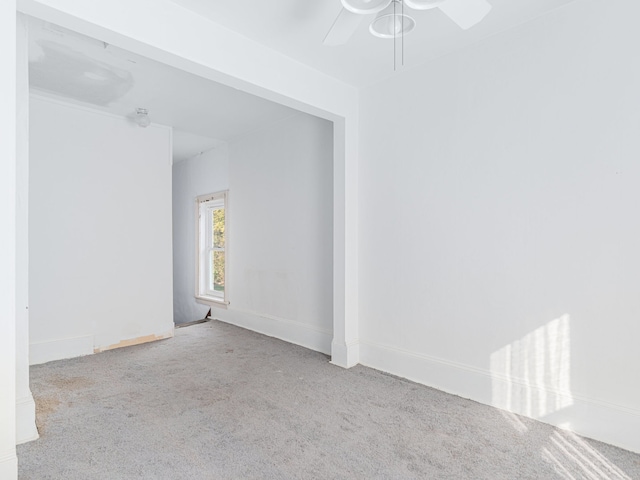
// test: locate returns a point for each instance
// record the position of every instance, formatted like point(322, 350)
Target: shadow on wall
point(532, 376)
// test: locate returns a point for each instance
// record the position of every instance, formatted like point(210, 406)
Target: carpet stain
point(45, 406)
point(70, 383)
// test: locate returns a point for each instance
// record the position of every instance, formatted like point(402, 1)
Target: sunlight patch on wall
point(573, 458)
point(531, 376)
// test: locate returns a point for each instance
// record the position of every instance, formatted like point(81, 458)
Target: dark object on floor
point(195, 322)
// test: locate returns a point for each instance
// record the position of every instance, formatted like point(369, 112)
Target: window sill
point(212, 301)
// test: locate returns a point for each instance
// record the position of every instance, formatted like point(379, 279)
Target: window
point(211, 261)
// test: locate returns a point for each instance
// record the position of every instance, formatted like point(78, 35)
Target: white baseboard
point(287, 330)
point(8, 465)
point(345, 355)
point(26, 430)
point(59, 349)
point(588, 417)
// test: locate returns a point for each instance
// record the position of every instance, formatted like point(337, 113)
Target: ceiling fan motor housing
point(392, 22)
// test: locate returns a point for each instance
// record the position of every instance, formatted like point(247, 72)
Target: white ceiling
point(204, 113)
point(297, 28)
point(187, 145)
point(85, 71)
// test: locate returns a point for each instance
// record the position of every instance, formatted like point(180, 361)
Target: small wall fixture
point(142, 117)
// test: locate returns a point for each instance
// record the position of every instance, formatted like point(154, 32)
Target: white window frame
point(204, 205)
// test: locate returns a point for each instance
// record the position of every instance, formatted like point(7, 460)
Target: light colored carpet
point(220, 402)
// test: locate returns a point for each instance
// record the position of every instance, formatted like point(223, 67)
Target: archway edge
point(171, 34)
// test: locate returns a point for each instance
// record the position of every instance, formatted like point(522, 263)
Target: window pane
point(218, 271)
point(218, 228)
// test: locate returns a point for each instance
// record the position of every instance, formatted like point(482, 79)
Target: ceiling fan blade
point(344, 26)
point(466, 13)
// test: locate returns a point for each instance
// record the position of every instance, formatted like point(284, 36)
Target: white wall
point(8, 460)
point(499, 227)
point(280, 230)
point(202, 174)
point(100, 231)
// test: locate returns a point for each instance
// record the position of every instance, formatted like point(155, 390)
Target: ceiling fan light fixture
point(423, 4)
point(365, 7)
point(390, 24)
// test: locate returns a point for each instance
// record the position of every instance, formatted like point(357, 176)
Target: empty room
point(332, 239)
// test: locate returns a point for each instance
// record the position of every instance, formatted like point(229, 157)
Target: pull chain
point(395, 32)
point(394, 36)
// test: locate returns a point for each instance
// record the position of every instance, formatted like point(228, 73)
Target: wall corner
point(345, 355)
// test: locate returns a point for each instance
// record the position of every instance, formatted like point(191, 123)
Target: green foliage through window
point(217, 260)
point(218, 228)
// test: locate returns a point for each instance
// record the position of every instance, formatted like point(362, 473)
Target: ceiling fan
point(391, 21)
